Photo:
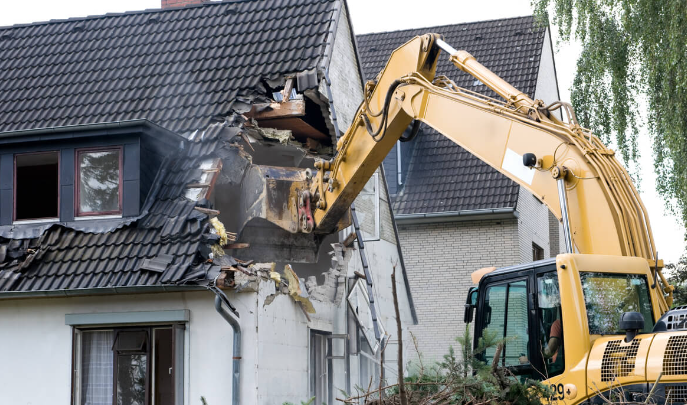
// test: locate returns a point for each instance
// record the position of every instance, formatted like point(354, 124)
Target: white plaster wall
point(547, 85)
point(533, 225)
point(36, 345)
point(440, 257)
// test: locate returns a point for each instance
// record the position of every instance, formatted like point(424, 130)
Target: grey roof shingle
point(442, 176)
point(177, 67)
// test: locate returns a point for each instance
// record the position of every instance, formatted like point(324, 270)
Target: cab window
point(550, 324)
point(607, 296)
point(506, 317)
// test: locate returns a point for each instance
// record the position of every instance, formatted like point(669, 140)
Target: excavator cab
point(508, 307)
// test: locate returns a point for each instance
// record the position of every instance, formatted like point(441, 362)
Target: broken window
point(367, 209)
point(320, 367)
point(135, 366)
point(36, 186)
point(99, 182)
point(537, 252)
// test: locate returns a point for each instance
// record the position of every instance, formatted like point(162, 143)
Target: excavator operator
point(549, 317)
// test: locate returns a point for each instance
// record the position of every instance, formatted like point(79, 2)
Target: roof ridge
point(447, 25)
point(206, 3)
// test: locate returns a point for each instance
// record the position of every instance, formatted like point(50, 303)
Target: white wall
point(533, 225)
point(547, 85)
point(36, 345)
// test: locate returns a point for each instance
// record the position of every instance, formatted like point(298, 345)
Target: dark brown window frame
point(77, 181)
point(150, 330)
point(14, 185)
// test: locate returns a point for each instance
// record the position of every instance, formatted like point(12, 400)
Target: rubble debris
point(225, 237)
point(237, 246)
point(207, 211)
point(297, 289)
point(283, 136)
point(329, 291)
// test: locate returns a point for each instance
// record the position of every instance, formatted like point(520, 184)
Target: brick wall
point(533, 225)
point(179, 3)
point(439, 259)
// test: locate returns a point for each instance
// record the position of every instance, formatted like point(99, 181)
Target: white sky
point(389, 15)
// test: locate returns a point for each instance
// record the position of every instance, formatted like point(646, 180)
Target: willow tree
point(634, 55)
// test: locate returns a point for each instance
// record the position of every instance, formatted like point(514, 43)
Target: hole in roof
point(478, 37)
point(517, 33)
point(78, 28)
point(230, 11)
point(153, 20)
point(6, 36)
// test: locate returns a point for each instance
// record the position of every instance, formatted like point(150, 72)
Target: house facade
point(455, 213)
point(127, 274)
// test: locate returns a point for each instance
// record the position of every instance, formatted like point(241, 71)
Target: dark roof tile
point(442, 176)
point(173, 71)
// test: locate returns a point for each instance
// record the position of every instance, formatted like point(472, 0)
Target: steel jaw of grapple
point(281, 196)
point(273, 193)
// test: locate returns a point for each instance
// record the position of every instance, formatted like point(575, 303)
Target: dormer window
point(36, 185)
point(99, 181)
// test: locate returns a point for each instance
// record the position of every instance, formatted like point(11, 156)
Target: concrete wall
point(439, 259)
point(36, 345)
point(533, 225)
point(344, 74)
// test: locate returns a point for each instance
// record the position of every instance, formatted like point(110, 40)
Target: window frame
point(14, 187)
point(77, 181)
point(178, 329)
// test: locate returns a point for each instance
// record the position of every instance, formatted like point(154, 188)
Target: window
point(133, 366)
point(320, 367)
point(506, 316)
point(537, 252)
point(99, 181)
point(607, 296)
point(36, 186)
point(549, 317)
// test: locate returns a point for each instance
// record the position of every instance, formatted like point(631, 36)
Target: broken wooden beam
point(237, 246)
point(288, 86)
point(207, 211)
point(287, 109)
point(348, 242)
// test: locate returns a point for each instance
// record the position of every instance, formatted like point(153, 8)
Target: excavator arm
point(561, 163)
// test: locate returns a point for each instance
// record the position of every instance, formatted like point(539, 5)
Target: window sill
point(89, 217)
point(35, 221)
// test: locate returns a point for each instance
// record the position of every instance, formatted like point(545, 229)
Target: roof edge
point(457, 216)
point(117, 14)
point(448, 25)
point(88, 127)
point(81, 292)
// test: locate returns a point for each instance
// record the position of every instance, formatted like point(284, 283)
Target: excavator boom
point(561, 163)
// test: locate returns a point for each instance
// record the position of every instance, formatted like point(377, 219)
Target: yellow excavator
point(592, 323)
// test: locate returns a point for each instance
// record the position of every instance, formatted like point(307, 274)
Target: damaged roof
point(181, 68)
point(442, 176)
point(185, 69)
point(168, 244)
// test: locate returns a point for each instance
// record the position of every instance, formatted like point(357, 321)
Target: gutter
point(236, 354)
point(457, 216)
point(81, 292)
point(87, 127)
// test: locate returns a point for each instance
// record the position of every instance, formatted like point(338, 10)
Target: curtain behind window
point(96, 367)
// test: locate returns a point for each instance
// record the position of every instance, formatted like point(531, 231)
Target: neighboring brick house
point(455, 213)
point(122, 138)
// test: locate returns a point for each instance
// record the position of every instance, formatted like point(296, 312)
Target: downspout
point(236, 356)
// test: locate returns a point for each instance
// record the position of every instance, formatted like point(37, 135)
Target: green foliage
point(678, 278)
point(632, 48)
point(467, 380)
